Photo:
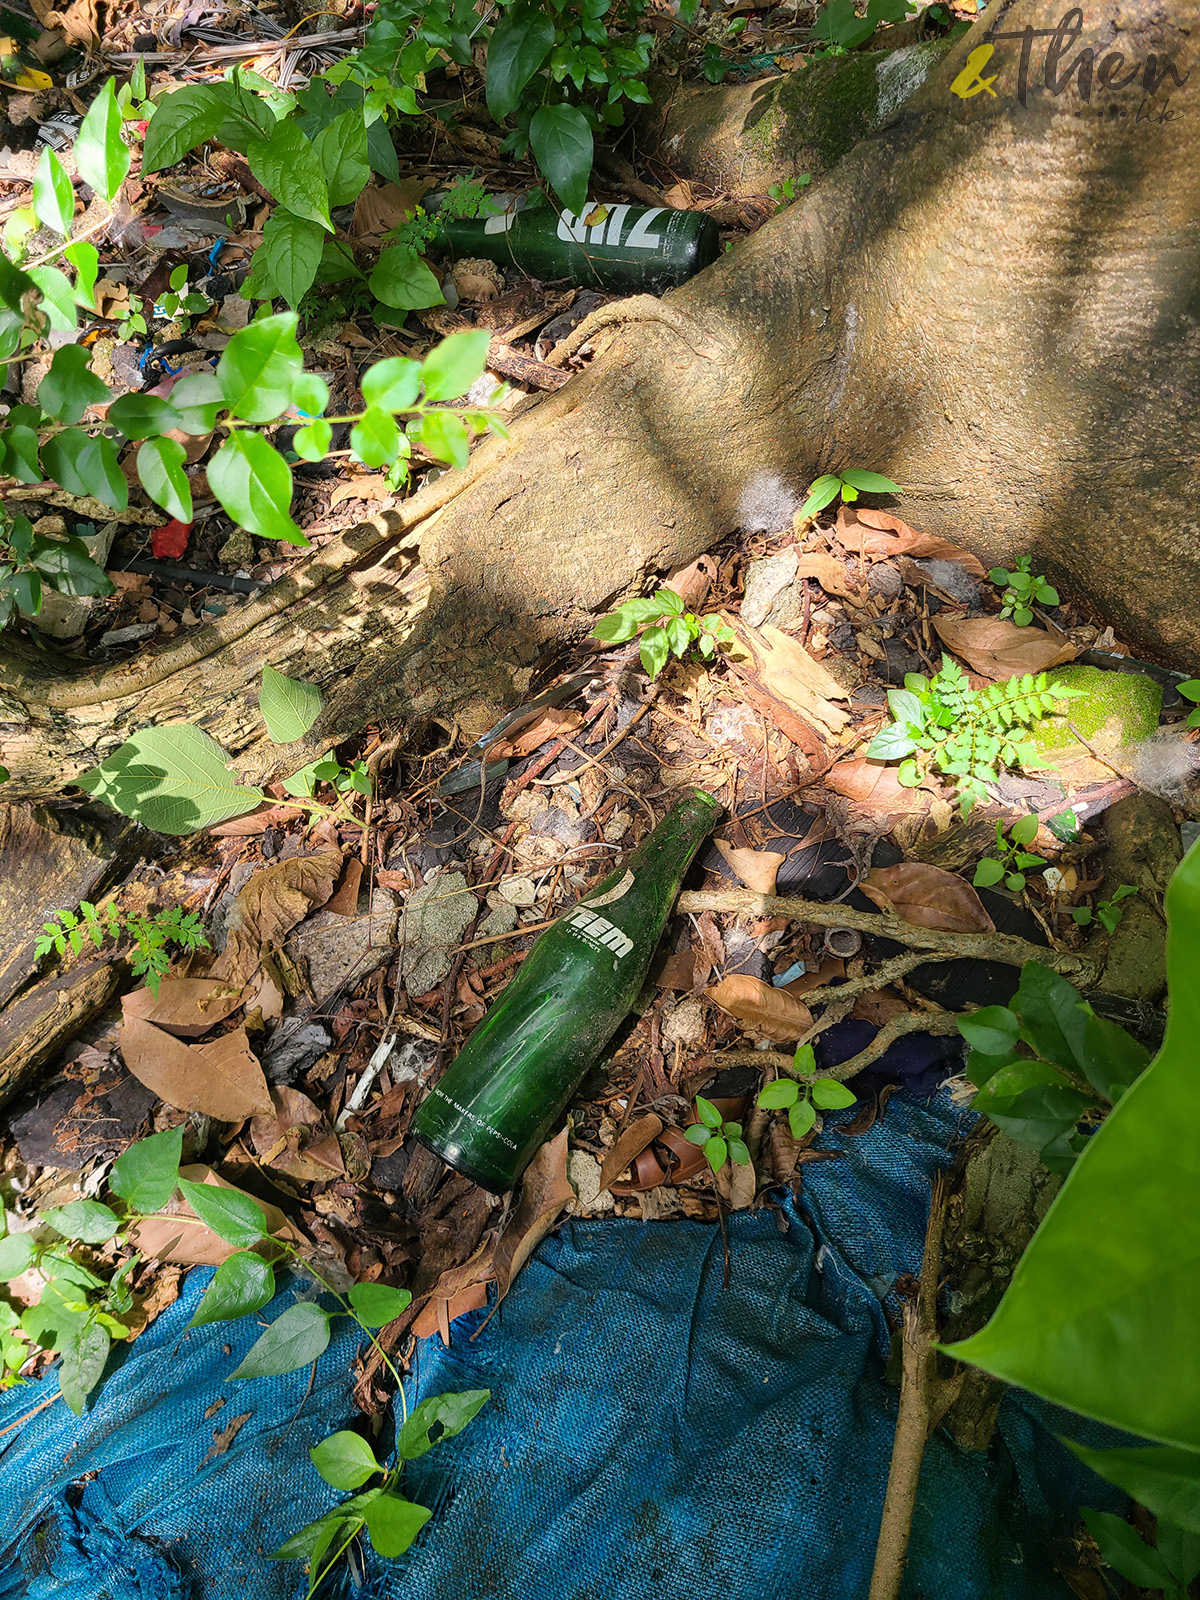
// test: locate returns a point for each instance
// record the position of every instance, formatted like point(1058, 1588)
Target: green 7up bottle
point(513, 1079)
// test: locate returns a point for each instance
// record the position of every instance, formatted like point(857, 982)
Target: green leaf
point(993, 1030)
point(1112, 1059)
point(299, 1336)
point(1164, 1479)
point(14, 284)
point(53, 196)
point(17, 1251)
point(26, 589)
point(66, 566)
point(197, 399)
point(440, 1417)
point(85, 258)
point(289, 706)
point(138, 416)
point(1032, 1102)
point(160, 471)
point(822, 491)
point(707, 1112)
point(344, 1460)
point(891, 743)
point(738, 1153)
point(561, 141)
point(231, 1215)
point(394, 1523)
point(312, 1541)
point(21, 453)
point(101, 155)
point(831, 1095)
point(84, 1353)
point(58, 298)
point(311, 443)
point(655, 651)
point(801, 1118)
point(173, 779)
point(1024, 831)
point(291, 252)
point(286, 164)
point(697, 1133)
point(988, 872)
point(70, 386)
point(341, 151)
point(1126, 1551)
point(520, 44)
point(452, 366)
point(401, 279)
point(259, 367)
point(778, 1095)
point(310, 394)
point(392, 385)
point(85, 1220)
point(716, 1152)
point(375, 440)
point(144, 1176)
point(1052, 1016)
point(1190, 690)
point(444, 435)
point(181, 121)
point(377, 1303)
point(870, 482)
point(254, 484)
point(85, 465)
point(242, 1283)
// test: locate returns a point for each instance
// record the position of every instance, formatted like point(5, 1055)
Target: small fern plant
point(148, 956)
point(970, 735)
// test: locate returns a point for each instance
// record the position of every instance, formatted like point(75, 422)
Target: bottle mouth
point(452, 1156)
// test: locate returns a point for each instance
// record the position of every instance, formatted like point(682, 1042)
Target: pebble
point(517, 892)
point(136, 630)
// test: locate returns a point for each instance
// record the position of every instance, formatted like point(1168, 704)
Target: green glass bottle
point(627, 248)
point(510, 1083)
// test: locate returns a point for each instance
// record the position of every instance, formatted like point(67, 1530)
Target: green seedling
point(804, 1098)
point(669, 629)
point(721, 1141)
point(148, 956)
point(824, 490)
point(1191, 691)
point(1107, 913)
point(785, 192)
point(1022, 591)
point(1011, 862)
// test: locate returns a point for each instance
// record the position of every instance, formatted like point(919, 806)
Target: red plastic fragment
point(171, 539)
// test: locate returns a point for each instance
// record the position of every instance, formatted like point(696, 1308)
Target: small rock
point(884, 579)
point(136, 630)
point(477, 280)
point(764, 581)
point(435, 919)
point(517, 891)
point(238, 550)
point(617, 827)
point(341, 950)
point(583, 1170)
point(686, 1024)
point(500, 921)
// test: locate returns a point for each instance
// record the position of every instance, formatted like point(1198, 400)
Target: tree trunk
point(995, 304)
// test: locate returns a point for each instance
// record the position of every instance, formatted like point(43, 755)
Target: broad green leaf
point(289, 706)
point(401, 279)
point(310, 394)
point(58, 298)
point(520, 44)
point(992, 1029)
point(144, 1176)
point(452, 366)
point(291, 252)
point(172, 779)
point(311, 443)
point(779, 1095)
point(21, 453)
point(377, 1303)
point(738, 1153)
point(801, 1118)
point(17, 1251)
point(231, 1215)
point(160, 464)
point(53, 196)
point(891, 743)
point(26, 589)
point(85, 1220)
point(1024, 831)
point(197, 398)
point(341, 151)
point(242, 1283)
point(1112, 1058)
point(70, 386)
point(344, 1460)
point(831, 1095)
point(1164, 1479)
point(654, 650)
point(101, 155)
point(561, 141)
point(444, 435)
point(1102, 1311)
point(392, 385)
point(697, 1134)
point(313, 1541)
point(181, 121)
point(825, 489)
point(707, 1112)
point(870, 482)
point(1126, 1551)
point(1052, 1015)
point(84, 1353)
point(259, 367)
point(375, 440)
point(254, 484)
point(86, 465)
point(286, 164)
point(292, 1341)
point(394, 1523)
point(1032, 1101)
point(13, 284)
point(440, 1417)
point(716, 1152)
point(988, 872)
point(66, 565)
point(138, 416)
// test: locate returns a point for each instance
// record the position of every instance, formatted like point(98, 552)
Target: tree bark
point(995, 304)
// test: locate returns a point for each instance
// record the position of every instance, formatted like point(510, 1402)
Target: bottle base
point(453, 1159)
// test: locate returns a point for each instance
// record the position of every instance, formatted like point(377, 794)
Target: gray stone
point(435, 919)
point(293, 1048)
point(500, 921)
point(341, 950)
point(764, 581)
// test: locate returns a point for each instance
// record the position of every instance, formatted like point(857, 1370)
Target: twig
point(21, 1421)
point(594, 761)
point(913, 1416)
point(1102, 758)
point(1004, 947)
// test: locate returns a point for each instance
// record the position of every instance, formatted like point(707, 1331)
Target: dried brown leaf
point(345, 901)
point(927, 897)
point(221, 1078)
point(186, 1007)
point(167, 1238)
point(791, 675)
point(737, 1185)
point(874, 785)
point(224, 1437)
point(552, 724)
point(833, 967)
point(271, 905)
point(255, 822)
point(878, 533)
point(638, 1136)
point(545, 1190)
point(756, 868)
point(829, 572)
point(692, 582)
point(378, 210)
point(679, 971)
point(764, 1010)
point(879, 1006)
point(1000, 650)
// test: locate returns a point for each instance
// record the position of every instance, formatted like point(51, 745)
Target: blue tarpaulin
point(651, 1433)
